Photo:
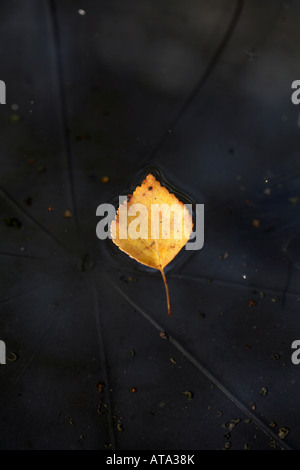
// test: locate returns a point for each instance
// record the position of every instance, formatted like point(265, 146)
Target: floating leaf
point(152, 226)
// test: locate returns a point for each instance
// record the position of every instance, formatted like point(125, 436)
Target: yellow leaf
point(152, 226)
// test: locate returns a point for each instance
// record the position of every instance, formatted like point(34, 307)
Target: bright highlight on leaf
point(152, 226)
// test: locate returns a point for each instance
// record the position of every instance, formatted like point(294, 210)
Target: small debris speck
point(283, 432)
point(188, 394)
point(105, 179)
point(15, 118)
point(294, 200)
point(28, 201)
point(164, 335)
point(41, 169)
point(12, 357)
point(120, 426)
point(227, 445)
point(275, 357)
point(12, 222)
point(255, 223)
point(99, 407)
point(100, 386)
point(224, 256)
point(263, 391)
point(233, 423)
point(67, 214)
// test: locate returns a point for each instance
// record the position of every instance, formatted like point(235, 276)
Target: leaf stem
point(167, 290)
